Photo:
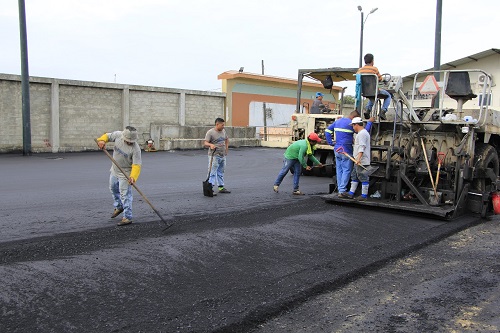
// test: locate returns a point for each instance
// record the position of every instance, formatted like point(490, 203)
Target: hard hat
point(314, 137)
point(356, 120)
point(319, 94)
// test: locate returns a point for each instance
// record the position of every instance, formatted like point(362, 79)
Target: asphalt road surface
point(233, 263)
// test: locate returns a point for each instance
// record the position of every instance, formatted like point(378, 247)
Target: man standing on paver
point(344, 136)
point(362, 152)
point(295, 159)
point(127, 154)
point(217, 139)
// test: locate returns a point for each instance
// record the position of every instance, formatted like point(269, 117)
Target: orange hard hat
point(314, 137)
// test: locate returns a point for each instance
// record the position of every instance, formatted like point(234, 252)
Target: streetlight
point(362, 28)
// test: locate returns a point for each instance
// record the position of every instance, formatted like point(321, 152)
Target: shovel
point(368, 170)
point(440, 162)
point(137, 189)
point(208, 189)
point(431, 201)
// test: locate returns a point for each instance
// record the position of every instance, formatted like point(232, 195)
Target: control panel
point(392, 85)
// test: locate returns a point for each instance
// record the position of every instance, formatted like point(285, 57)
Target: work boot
point(382, 114)
point(344, 195)
point(117, 212)
point(275, 188)
point(361, 198)
point(367, 113)
point(297, 192)
point(223, 190)
point(124, 221)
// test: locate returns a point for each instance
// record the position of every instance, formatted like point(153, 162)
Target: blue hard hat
point(318, 94)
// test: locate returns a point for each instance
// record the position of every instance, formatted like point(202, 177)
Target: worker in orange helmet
point(295, 159)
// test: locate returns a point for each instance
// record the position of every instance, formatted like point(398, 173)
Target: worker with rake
point(127, 154)
point(344, 136)
point(296, 158)
point(362, 152)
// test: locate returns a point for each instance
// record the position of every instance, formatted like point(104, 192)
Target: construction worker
point(368, 68)
point(362, 152)
point(127, 154)
point(344, 136)
point(318, 102)
point(217, 142)
point(295, 160)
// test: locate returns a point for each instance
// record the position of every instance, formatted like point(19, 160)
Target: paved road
point(48, 194)
point(449, 286)
point(228, 264)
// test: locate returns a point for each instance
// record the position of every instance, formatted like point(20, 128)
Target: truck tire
point(308, 172)
point(303, 171)
point(325, 157)
point(485, 157)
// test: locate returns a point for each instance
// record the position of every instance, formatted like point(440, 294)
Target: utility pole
point(25, 80)
point(437, 47)
point(264, 110)
point(363, 21)
point(361, 39)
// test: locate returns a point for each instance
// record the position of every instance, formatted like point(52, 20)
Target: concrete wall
point(171, 137)
point(67, 115)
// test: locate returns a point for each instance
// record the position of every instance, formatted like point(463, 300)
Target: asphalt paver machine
point(437, 151)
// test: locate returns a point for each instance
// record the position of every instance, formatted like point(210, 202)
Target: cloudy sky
point(187, 43)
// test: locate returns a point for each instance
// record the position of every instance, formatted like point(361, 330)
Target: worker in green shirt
point(295, 158)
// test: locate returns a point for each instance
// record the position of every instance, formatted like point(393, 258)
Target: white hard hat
point(356, 120)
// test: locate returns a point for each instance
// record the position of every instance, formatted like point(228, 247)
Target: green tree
point(348, 99)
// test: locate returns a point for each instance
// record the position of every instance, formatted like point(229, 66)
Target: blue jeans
point(217, 171)
point(343, 167)
point(387, 100)
point(122, 195)
point(287, 165)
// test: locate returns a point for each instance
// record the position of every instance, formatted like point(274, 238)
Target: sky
point(187, 43)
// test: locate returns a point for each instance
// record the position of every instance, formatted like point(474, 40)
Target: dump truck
point(437, 151)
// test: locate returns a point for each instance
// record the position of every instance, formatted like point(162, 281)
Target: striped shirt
point(368, 69)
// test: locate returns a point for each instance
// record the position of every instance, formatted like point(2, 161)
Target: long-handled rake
point(368, 170)
point(436, 201)
point(137, 189)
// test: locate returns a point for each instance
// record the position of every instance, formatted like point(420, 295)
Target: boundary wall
point(66, 115)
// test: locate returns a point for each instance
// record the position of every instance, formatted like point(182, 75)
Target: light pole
point(25, 80)
point(363, 20)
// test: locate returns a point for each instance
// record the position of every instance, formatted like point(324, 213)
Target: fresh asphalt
point(228, 263)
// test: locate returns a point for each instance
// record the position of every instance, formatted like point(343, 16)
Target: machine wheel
point(485, 157)
point(308, 172)
point(325, 157)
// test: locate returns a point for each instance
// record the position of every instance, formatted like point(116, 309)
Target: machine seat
point(369, 85)
point(458, 86)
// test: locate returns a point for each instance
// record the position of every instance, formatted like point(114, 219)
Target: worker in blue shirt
point(344, 137)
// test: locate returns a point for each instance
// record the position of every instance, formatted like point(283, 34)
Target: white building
point(485, 62)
